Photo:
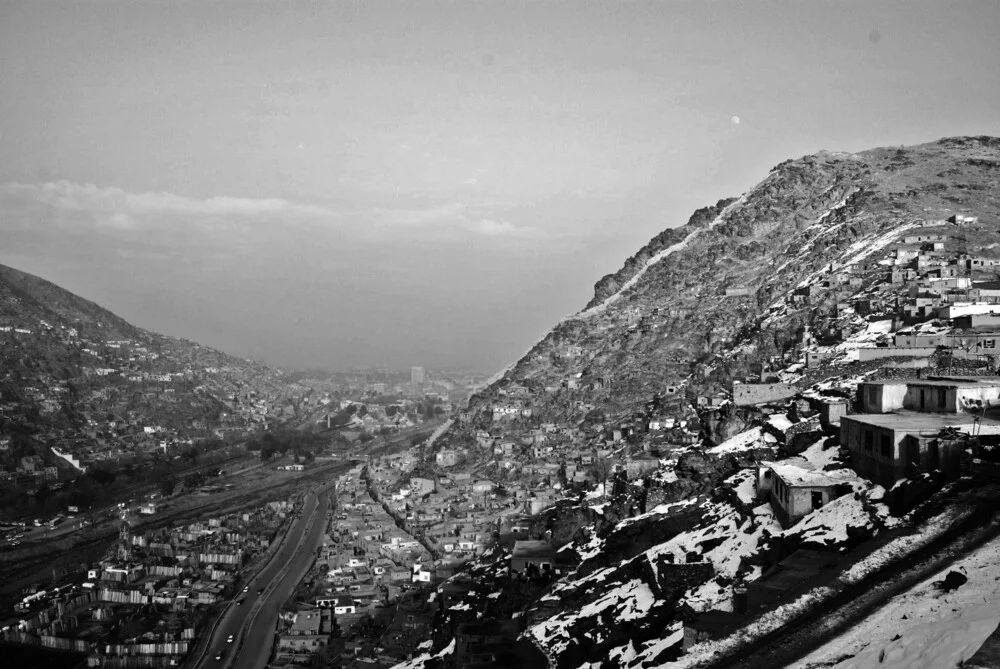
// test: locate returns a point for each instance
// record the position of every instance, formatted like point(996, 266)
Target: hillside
point(79, 378)
point(633, 435)
point(666, 314)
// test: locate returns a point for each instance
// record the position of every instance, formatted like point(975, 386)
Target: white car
point(230, 639)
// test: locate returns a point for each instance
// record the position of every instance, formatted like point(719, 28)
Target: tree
point(43, 494)
point(603, 467)
point(101, 476)
point(193, 480)
point(369, 629)
point(167, 486)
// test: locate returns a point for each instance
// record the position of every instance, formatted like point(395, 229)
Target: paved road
point(236, 617)
point(259, 611)
point(256, 647)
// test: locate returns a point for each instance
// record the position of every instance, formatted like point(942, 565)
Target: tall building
point(417, 375)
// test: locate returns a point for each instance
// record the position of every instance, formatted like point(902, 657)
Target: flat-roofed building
point(929, 395)
point(796, 491)
point(888, 447)
point(532, 556)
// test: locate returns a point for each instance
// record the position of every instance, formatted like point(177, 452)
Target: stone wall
point(745, 394)
point(673, 580)
point(865, 354)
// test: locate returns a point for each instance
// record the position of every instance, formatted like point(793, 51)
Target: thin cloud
point(240, 221)
point(89, 197)
point(453, 218)
point(492, 228)
point(443, 214)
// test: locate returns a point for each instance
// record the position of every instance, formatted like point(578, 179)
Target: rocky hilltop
point(637, 438)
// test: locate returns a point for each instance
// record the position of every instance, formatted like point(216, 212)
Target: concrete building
point(888, 447)
point(418, 375)
point(796, 492)
point(929, 395)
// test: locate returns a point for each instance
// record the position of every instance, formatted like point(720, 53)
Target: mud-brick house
point(960, 219)
point(446, 458)
point(483, 487)
point(886, 448)
point(796, 492)
point(421, 486)
point(639, 465)
point(539, 502)
point(532, 558)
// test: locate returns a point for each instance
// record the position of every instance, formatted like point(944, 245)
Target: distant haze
point(332, 184)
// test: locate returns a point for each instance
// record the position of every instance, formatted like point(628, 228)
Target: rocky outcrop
point(611, 283)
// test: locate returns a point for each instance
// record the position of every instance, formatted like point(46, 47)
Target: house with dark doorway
point(796, 491)
point(532, 558)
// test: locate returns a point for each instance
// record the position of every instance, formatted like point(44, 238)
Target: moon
point(735, 120)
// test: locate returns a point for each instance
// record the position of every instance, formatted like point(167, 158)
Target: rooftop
point(532, 548)
point(798, 476)
point(937, 383)
point(306, 622)
point(913, 421)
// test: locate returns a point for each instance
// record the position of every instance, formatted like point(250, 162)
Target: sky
point(339, 184)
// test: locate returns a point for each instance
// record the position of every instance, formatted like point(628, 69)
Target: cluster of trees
point(303, 445)
point(103, 485)
point(95, 488)
point(430, 407)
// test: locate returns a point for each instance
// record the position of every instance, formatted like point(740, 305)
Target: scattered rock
point(953, 581)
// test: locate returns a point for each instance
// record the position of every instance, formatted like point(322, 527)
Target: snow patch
point(830, 524)
point(744, 484)
point(935, 629)
point(628, 601)
point(752, 438)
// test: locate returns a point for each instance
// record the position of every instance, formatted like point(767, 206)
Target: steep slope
point(27, 298)
point(829, 256)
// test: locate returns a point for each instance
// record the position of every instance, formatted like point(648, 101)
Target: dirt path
point(792, 641)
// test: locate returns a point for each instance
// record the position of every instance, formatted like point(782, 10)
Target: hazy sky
point(396, 183)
